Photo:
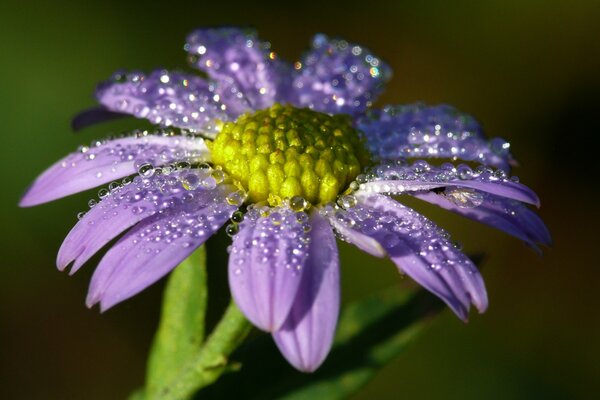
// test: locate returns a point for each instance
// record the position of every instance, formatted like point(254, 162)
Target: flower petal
point(266, 265)
point(169, 99)
point(307, 335)
point(126, 206)
point(238, 60)
point(154, 247)
point(506, 215)
point(106, 161)
point(399, 178)
point(339, 77)
point(93, 116)
point(366, 243)
point(421, 131)
point(421, 250)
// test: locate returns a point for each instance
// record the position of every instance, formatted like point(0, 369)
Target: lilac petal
point(170, 99)
point(421, 250)
point(421, 131)
point(126, 206)
point(339, 77)
point(425, 251)
point(363, 242)
point(399, 178)
point(239, 61)
point(93, 116)
point(505, 215)
point(266, 265)
point(154, 247)
point(106, 161)
point(307, 335)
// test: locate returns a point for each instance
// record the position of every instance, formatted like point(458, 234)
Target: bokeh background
point(528, 70)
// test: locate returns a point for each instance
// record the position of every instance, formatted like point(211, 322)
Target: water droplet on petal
point(232, 229)
point(146, 170)
point(298, 203)
point(464, 198)
point(236, 198)
point(347, 201)
point(102, 193)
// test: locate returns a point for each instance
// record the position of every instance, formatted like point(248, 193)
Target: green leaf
point(371, 332)
point(181, 329)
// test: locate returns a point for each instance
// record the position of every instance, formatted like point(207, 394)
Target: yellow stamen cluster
point(281, 152)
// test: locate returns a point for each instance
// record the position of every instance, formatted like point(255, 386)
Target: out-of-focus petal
point(170, 99)
point(421, 250)
point(106, 161)
point(238, 60)
point(421, 131)
point(397, 178)
point(126, 205)
point(154, 247)
point(307, 335)
point(339, 77)
point(266, 264)
point(93, 116)
point(509, 216)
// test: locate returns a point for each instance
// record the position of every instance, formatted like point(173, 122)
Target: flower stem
point(210, 361)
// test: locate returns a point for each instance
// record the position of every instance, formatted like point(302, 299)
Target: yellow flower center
point(284, 152)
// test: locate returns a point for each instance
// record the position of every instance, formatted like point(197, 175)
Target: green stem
point(181, 329)
point(210, 362)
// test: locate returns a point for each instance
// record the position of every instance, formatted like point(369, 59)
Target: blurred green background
point(528, 70)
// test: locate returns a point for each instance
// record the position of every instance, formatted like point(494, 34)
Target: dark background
point(528, 70)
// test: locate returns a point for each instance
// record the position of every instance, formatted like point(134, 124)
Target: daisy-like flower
point(288, 157)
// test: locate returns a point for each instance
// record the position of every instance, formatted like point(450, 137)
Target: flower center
point(283, 152)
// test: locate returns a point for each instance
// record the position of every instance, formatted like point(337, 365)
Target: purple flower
point(291, 156)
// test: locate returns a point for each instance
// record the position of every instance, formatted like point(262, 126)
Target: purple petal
point(307, 335)
point(106, 161)
point(420, 131)
point(339, 77)
point(238, 60)
point(154, 247)
point(93, 116)
point(127, 205)
point(366, 243)
point(170, 99)
point(266, 264)
point(505, 215)
point(421, 250)
point(399, 178)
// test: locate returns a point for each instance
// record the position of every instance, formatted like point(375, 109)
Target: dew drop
point(347, 201)
point(183, 165)
point(232, 229)
point(113, 186)
point(190, 181)
point(236, 198)
point(218, 176)
point(237, 217)
point(102, 193)
point(298, 203)
point(146, 170)
point(464, 198)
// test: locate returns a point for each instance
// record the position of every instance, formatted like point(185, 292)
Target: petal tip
point(93, 116)
point(28, 200)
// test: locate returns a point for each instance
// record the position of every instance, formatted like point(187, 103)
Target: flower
point(291, 156)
